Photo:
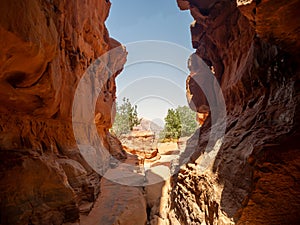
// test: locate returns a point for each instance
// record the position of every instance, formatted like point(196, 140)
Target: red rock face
point(254, 52)
point(46, 46)
point(275, 21)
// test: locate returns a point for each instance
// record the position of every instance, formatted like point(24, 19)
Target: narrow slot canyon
point(61, 72)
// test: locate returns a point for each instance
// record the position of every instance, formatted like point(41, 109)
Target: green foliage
point(180, 122)
point(188, 121)
point(172, 129)
point(126, 118)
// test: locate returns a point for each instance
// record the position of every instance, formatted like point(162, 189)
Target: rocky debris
point(141, 143)
point(142, 140)
point(251, 179)
point(46, 48)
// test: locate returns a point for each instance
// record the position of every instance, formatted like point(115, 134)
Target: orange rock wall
point(253, 49)
point(46, 46)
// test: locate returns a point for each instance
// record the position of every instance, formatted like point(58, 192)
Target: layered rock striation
point(141, 143)
point(249, 175)
point(46, 47)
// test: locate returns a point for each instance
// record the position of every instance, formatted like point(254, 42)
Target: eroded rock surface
point(119, 202)
point(140, 142)
point(46, 47)
point(253, 51)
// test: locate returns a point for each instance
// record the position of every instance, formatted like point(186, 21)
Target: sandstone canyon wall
point(46, 46)
point(253, 49)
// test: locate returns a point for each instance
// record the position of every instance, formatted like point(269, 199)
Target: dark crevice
point(16, 78)
point(148, 210)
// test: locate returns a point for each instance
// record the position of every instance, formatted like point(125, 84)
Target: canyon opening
point(149, 112)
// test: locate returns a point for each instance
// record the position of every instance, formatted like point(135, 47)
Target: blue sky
point(158, 84)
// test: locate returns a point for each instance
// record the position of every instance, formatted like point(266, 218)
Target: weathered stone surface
point(275, 20)
point(141, 143)
point(157, 197)
point(167, 147)
point(253, 177)
point(117, 203)
point(142, 140)
point(34, 190)
point(46, 47)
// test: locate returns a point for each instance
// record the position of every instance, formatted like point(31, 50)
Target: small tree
point(126, 118)
point(172, 129)
point(188, 120)
point(179, 122)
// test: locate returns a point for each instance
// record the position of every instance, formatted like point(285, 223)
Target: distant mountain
point(148, 125)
